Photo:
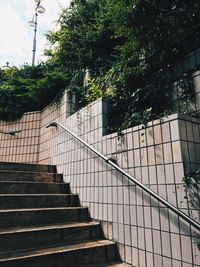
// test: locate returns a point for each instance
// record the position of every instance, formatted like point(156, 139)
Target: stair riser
point(42, 217)
point(75, 258)
point(27, 167)
point(28, 202)
point(48, 237)
point(30, 177)
point(33, 188)
point(59, 239)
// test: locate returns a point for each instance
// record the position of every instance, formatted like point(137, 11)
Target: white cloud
point(14, 42)
point(17, 37)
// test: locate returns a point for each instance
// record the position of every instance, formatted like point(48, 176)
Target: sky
point(16, 36)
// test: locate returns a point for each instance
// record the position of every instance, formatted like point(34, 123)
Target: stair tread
point(36, 195)
point(108, 264)
point(11, 175)
point(24, 163)
point(46, 223)
point(29, 253)
point(46, 227)
point(29, 172)
point(41, 209)
point(9, 165)
point(31, 182)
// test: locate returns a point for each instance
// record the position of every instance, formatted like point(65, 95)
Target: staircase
point(43, 225)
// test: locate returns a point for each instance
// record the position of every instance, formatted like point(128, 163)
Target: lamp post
point(6, 66)
point(33, 23)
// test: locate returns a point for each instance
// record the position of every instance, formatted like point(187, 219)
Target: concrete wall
point(147, 233)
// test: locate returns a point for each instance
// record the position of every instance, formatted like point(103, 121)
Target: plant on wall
point(192, 196)
point(133, 46)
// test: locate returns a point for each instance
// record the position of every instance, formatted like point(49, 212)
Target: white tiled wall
point(147, 233)
point(23, 146)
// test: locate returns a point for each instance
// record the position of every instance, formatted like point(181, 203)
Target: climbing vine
point(192, 196)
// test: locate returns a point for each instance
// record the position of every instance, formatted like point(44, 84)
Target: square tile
point(166, 244)
point(135, 257)
point(186, 248)
point(134, 236)
point(176, 151)
point(127, 218)
point(159, 154)
point(136, 140)
point(133, 216)
point(176, 249)
point(121, 234)
point(167, 262)
point(142, 258)
point(158, 261)
point(127, 235)
point(150, 259)
point(137, 157)
point(155, 218)
point(151, 155)
point(157, 134)
point(176, 263)
point(147, 217)
point(141, 239)
point(167, 153)
point(150, 136)
point(140, 216)
point(128, 254)
point(149, 240)
point(174, 129)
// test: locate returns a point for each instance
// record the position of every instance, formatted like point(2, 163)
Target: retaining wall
point(159, 155)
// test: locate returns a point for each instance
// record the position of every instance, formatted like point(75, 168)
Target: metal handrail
point(11, 132)
point(134, 180)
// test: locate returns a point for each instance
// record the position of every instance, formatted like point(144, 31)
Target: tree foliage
point(29, 88)
point(129, 46)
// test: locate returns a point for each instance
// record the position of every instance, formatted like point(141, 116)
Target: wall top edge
point(170, 118)
point(32, 112)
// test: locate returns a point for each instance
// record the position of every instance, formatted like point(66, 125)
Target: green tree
point(85, 41)
point(130, 47)
point(29, 88)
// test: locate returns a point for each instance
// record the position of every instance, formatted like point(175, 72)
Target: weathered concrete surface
point(18, 187)
point(43, 224)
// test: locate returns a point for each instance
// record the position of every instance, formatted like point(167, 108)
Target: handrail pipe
point(185, 217)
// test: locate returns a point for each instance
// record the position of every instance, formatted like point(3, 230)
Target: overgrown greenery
point(29, 88)
point(192, 193)
point(130, 48)
point(192, 196)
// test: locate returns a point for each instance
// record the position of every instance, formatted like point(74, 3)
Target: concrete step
point(21, 201)
point(30, 176)
point(27, 167)
point(75, 255)
point(17, 187)
point(109, 264)
point(43, 225)
point(42, 216)
point(46, 236)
